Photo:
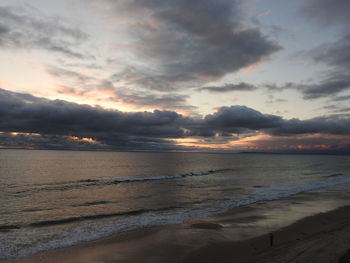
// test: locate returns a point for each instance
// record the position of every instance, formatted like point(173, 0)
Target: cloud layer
point(60, 121)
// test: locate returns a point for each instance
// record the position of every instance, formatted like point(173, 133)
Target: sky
point(175, 75)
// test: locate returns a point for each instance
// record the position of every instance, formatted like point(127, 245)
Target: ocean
point(52, 199)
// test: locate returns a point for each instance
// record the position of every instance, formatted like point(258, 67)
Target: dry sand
point(275, 231)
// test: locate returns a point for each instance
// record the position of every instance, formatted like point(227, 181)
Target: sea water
point(52, 199)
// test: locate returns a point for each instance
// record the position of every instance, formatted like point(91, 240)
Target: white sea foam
point(27, 241)
point(68, 185)
point(154, 178)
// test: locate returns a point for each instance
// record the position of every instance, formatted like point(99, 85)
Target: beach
point(307, 227)
point(174, 131)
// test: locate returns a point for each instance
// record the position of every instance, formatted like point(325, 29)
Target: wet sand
point(302, 228)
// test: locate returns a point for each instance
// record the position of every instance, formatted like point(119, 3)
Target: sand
point(321, 238)
point(303, 228)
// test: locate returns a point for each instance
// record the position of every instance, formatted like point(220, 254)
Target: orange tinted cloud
point(268, 142)
point(202, 143)
point(89, 140)
point(248, 70)
point(305, 142)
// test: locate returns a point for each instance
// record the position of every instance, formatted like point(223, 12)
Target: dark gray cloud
point(25, 113)
point(4, 29)
point(242, 86)
point(331, 107)
point(337, 108)
point(227, 121)
point(57, 120)
point(26, 28)
point(336, 53)
point(327, 12)
point(332, 124)
point(342, 98)
point(192, 40)
point(342, 110)
point(330, 86)
point(38, 141)
point(242, 117)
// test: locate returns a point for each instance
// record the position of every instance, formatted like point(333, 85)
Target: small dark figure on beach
point(271, 239)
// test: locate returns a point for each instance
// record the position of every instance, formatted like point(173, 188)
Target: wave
point(154, 178)
point(91, 203)
point(6, 228)
point(69, 185)
point(97, 216)
point(334, 175)
point(46, 223)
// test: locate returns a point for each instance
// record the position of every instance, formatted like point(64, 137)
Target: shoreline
point(300, 226)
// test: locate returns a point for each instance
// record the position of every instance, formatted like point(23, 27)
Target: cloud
point(342, 110)
point(342, 98)
point(337, 56)
point(29, 114)
point(72, 76)
point(330, 86)
point(141, 78)
point(190, 40)
point(327, 12)
point(54, 121)
point(145, 99)
point(272, 100)
point(337, 79)
point(229, 121)
point(242, 86)
point(336, 53)
point(332, 124)
point(38, 141)
point(77, 84)
point(242, 117)
point(4, 29)
point(337, 108)
point(26, 28)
